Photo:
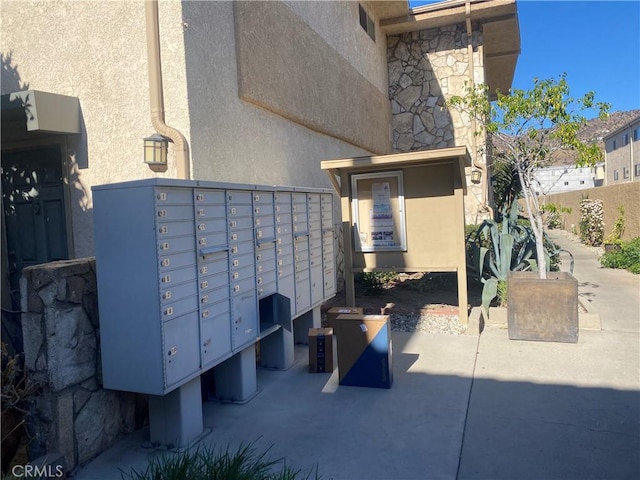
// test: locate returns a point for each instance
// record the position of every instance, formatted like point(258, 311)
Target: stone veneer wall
point(73, 414)
point(426, 68)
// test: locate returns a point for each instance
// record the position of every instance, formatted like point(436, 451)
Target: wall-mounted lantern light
point(476, 176)
point(155, 150)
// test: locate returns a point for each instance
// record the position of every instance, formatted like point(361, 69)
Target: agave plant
point(499, 248)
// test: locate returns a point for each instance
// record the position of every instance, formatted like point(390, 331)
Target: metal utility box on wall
point(404, 213)
point(183, 265)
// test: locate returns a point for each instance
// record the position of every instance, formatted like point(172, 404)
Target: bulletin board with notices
point(378, 211)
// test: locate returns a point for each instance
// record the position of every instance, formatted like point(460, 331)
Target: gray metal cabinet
point(242, 268)
point(212, 276)
point(301, 252)
point(146, 262)
point(182, 266)
point(315, 248)
point(265, 231)
point(328, 253)
point(284, 248)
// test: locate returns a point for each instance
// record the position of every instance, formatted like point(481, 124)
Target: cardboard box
point(322, 350)
point(364, 350)
point(334, 312)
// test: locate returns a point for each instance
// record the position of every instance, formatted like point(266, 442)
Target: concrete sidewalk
point(460, 407)
point(561, 411)
point(613, 293)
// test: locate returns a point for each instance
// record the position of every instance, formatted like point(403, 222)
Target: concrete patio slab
point(554, 411)
point(411, 431)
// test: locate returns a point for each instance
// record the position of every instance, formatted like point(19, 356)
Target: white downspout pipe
point(156, 98)
point(474, 145)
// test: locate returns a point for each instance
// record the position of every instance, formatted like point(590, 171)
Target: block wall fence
point(612, 196)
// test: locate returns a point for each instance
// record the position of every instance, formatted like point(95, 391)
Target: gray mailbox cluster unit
point(184, 266)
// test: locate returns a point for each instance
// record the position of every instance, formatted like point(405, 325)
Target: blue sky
point(596, 43)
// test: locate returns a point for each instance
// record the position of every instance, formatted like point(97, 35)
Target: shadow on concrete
point(436, 422)
point(521, 430)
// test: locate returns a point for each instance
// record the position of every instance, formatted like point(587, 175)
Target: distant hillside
point(595, 130)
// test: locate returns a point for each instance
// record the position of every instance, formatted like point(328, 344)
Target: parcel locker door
point(181, 354)
point(215, 335)
point(244, 318)
point(317, 283)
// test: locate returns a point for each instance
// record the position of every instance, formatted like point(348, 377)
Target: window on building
point(581, 182)
point(636, 168)
point(566, 183)
point(625, 138)
point(615, 174)
point(625, 172)
point(636, 134)
point(614, 145)
point(367, 23)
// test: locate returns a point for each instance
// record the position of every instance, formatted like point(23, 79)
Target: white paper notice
point(381, 216)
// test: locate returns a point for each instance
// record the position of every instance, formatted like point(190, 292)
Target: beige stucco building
point(622, 154)
point(260, 91)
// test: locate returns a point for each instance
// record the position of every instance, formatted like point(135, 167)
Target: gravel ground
point(427, 323)
point(450, 324)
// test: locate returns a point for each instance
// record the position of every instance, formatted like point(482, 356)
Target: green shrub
point(205, 463)
point(502, 293)
point(470, 230)
point(628, 257)
point(615, 236)
point(496, 248)
point(553, 215)
point(374, 282)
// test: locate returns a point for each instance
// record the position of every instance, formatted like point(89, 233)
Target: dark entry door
point(34, 208)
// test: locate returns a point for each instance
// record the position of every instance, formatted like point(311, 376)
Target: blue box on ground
point(364, 350)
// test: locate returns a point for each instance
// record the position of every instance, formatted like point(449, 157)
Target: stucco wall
point(234, 140)
point(612, 196)
point(96, 51)
point(338, 25)
point(286, 67)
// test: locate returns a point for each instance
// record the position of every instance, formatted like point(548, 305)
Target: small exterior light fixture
point(476, 176)
point(155, 150)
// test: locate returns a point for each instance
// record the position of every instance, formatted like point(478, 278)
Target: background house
point(622, 153)
point(564, 178)
point(611, 134)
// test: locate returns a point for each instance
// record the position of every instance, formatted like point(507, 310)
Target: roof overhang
point(388, 9)
point(36, 111)
point(622, 128)
point(457, 155)
point(501, 31)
